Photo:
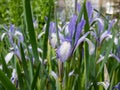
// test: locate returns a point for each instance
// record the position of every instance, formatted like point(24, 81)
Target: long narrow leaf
point(6, 81)
point(20, 79)
point(29, 25)
point(46, 35)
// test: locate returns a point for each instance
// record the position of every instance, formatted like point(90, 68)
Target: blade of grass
point(20, 79)
point(35, 78)
point(24, 64)
point(30, 28)
point(5, 68)
point(46, 35)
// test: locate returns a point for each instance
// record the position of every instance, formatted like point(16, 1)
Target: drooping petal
point(8, 57)
point(41, 34)
point(115, 57)
point(100, 59)
point(79, 29)
point(100, 24)
point(64, 51)
point(80, 41)
point(2, 36)
point(91, 46)
point(71, 73)
point(104, 35)
point(104, 84)
point(54, 75)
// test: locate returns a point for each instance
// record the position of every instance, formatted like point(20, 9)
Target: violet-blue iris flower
point(102, 34)
point(67, 42)
point(13, 34)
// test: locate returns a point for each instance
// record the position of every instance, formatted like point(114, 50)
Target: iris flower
point(66, 37)
point(12, 35)
point(102, 34)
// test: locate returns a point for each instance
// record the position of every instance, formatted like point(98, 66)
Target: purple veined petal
point(104, 35)
point(78, 7)
point(111, 24)
point(71, 26)
point(114, 56)
point(12, 29)
point(89, 10)
point(80, 41)
point(64, 51)
point(8, 57)
point(91, 46)
point(79, 29)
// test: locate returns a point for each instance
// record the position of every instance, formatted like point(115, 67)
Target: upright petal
point(79, 29)
point(104, 35)
point(78, 8)
point(71, 26)
point(52, 27)
point(12, 29)
point(111, 24)
point(89, 10)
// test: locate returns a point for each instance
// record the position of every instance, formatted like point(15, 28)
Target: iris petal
point(72, 24)
point(79, 29)
point(91, 46)
point(64, 51)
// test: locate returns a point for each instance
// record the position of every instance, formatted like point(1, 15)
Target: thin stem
point(60, 67)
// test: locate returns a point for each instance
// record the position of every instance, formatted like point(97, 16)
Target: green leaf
point(35, 77)
point(24, 64)
point(30, 28)
point(20, 79)
point(6, 81)
point(5, 68)
point(46, 35)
